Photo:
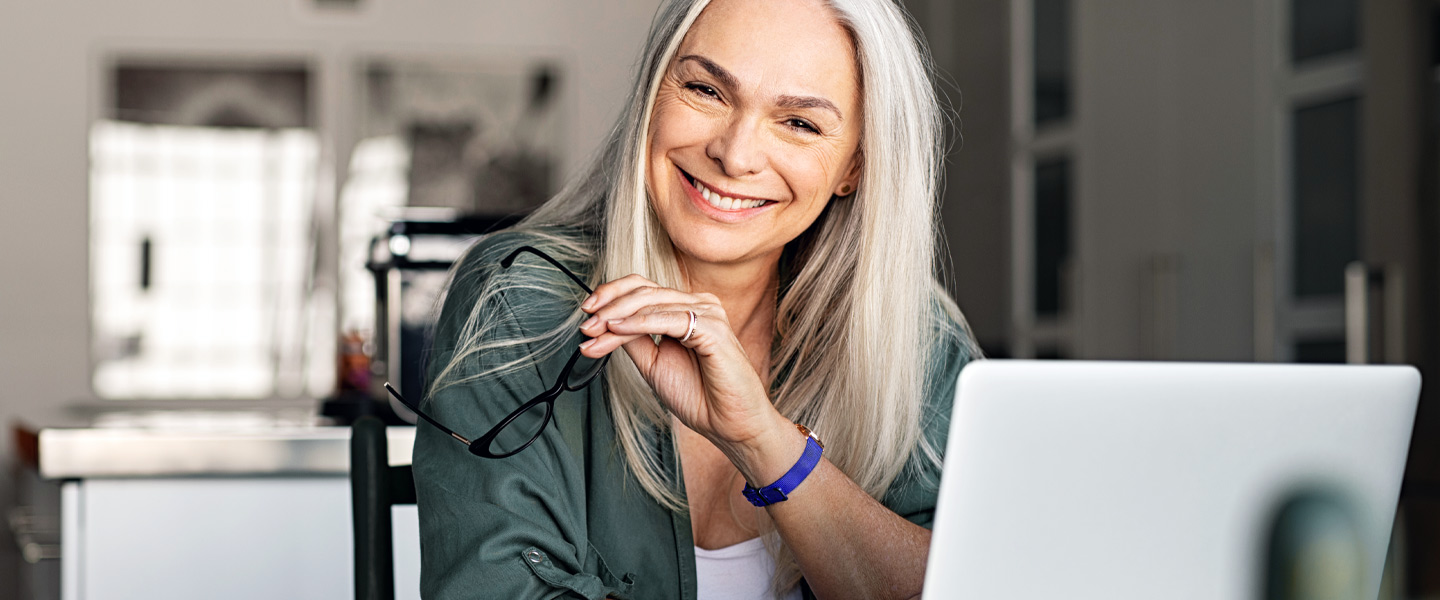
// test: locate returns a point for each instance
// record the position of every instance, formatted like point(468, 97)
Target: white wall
point(49, 56)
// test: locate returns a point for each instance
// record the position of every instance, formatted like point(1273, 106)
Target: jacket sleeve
point(501, 528)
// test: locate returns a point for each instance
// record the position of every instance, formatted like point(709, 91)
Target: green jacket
point(564, 518)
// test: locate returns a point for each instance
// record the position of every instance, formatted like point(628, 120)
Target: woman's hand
point(708, 381)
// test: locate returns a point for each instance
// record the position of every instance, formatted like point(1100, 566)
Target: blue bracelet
point(780, 490)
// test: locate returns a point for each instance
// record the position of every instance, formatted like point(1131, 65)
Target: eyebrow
point(786, 101)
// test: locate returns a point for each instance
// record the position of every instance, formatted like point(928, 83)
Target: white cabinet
point(169, 513)
point(218, 538)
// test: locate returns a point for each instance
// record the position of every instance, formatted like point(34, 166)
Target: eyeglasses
point(524, 425)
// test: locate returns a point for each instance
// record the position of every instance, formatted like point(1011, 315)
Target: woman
point(760, 224)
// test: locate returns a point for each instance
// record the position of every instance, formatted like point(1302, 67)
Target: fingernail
point(587, 343)
point(590, 322)
point(589, 303)
point(615, 321)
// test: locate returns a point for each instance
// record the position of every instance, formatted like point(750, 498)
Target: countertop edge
point(66, 453)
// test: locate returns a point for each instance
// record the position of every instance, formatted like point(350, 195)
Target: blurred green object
point(1314, 550)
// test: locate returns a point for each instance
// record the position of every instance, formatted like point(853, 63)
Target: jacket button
point(535, 556)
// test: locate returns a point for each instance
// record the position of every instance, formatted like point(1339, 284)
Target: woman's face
point(756, 125)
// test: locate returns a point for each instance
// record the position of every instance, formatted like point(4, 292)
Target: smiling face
point(756, 125)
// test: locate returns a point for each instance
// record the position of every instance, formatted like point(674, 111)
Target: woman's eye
point(702, 89)
point(802, 125)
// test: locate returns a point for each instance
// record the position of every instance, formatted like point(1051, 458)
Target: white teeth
point(724, 202)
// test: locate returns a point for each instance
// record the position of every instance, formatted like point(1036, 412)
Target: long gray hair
point(857, 322)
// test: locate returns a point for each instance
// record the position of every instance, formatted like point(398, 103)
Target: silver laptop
point(1121, 480)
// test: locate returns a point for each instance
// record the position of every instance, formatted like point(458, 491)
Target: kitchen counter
point(177, 504)
point(177, 443)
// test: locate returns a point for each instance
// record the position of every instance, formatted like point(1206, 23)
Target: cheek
point(817, 169)
point(674, 126)
point(660, 145)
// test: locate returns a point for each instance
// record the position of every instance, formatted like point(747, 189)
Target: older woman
point(760, 225)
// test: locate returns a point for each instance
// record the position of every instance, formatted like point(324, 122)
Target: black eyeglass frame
point(481, 446)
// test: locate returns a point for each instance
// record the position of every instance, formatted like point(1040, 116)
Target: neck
point(746, 291)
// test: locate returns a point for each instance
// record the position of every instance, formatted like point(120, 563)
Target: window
point(225, 264)
point(202, 281)
point(1320, 28)
point(1325, 172)
point(1320, 94)
point(1043, 180)
point(1051, 69)
point(1052, 235)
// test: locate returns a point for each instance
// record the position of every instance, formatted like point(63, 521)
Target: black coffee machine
point(410, 262)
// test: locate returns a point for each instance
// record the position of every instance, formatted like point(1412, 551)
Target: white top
point(739, 572)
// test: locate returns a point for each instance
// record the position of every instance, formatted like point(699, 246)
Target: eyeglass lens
point(519, 432)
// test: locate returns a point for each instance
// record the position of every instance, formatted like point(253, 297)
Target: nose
point(737, 149)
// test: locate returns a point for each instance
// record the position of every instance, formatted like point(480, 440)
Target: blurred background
point(245, 207)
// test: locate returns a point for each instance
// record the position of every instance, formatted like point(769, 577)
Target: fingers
point(674, 323)
point(644, 299)
point(605, 337)
point(633, 307)
point(610, 290)
point(606, 343)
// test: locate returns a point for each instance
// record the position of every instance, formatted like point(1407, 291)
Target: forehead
point(785, 46)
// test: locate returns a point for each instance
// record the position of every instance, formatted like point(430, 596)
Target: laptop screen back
point(1072, 479)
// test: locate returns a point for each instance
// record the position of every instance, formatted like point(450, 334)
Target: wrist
point(780, 490)
point(767, 456)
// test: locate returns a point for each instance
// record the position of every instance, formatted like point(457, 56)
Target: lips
point(720, 200)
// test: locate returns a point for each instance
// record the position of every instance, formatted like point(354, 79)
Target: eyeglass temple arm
point(422, 414)
point(508, 260)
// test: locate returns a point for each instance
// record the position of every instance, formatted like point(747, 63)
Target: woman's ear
point(851, 181)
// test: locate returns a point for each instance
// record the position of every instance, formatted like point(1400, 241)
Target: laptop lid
point(1117, 480)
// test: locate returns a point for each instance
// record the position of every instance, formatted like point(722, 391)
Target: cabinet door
point(219, 538)
point(212, 538)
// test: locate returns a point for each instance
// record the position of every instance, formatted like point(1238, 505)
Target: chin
point(705, 245)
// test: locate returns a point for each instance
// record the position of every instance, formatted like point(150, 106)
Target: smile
point(719, 200)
